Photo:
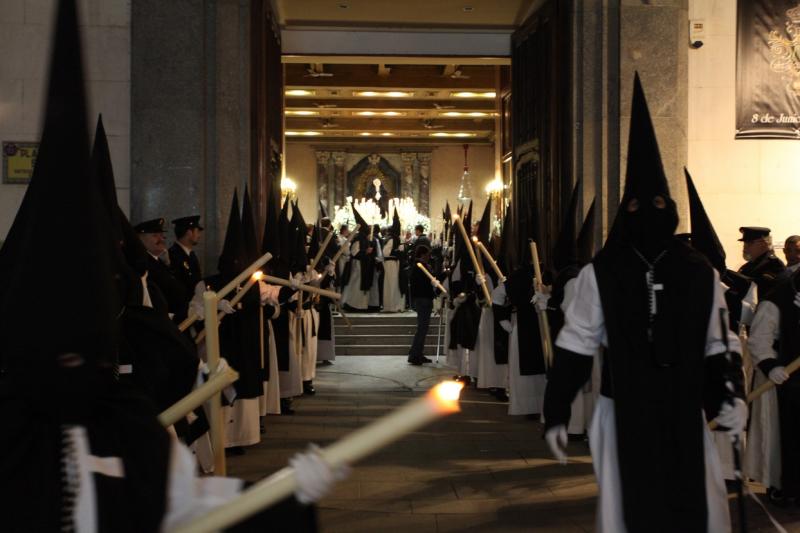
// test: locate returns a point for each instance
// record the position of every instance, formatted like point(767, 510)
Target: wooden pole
point(544, 323)
point(322, 249)
point(217, 428)
point(468, 244)
point(235, 300)
point(191, 319)
point(197, 397)
point(791, 368)
point(500, 277)
point(342, 249)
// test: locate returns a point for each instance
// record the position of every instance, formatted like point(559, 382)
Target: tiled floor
point(477, 471)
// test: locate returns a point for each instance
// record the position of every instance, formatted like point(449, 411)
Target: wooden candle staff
point(544, 323)
point(235, 300)
point(500, 277)
point(197, 397)
point(215, 423)
point(439, 401)
point(468, 245)
point(432, 278)
point(235, 282)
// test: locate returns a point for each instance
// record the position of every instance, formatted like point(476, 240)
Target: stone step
point(377, 319)
point(393, 340)
point(383, 329)
point(380, 350)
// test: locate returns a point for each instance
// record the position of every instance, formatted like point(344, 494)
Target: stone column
point(424, 183)
point(339, 178)
point(407, 187)
point(324, 191)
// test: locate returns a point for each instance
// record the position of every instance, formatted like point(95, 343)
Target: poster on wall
point(768, 69)
point(18, 161)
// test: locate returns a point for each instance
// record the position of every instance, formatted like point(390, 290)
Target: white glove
point(480, 279)
point(539, 300)
point(330, 269)
point(315, 477)
point(434, 284)
point(226, 307)
point(733, 416)
point(506, 325)
point(460, 299)
point(556, 438)
point(197, 308)
point(401, 248)
point(296, 281)
point(778, 375)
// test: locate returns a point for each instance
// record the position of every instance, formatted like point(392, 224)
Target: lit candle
point(468, 245)
point(431, 277)
point(439, 401)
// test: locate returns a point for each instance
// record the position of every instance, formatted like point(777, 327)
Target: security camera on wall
point(697, 32)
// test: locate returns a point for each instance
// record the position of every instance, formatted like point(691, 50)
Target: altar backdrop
point(768, 69)
point(343, 173)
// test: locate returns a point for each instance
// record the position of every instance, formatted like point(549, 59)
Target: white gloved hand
point(434, 284)
point(460, 299)
point(778, 375)
point(540, 300)
point(733, 416)
point(480, 279)
point(197, 308)
point(797, 299)
point(330, 269)
point(296, 280)
point(401, 248)
point(315, 477)
point(226, 307)
point(506, 325)
point(556, 438)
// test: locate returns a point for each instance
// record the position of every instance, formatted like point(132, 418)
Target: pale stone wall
point(25, 41)
point(741, 182)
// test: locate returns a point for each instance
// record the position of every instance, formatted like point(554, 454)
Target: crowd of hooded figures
point(646, 347)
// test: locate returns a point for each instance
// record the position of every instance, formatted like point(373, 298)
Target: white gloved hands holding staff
point(315, 477)
point(733, 416)
point(540, 300)
point(225, 306)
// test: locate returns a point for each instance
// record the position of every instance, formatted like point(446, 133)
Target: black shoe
point(286, 407)
point(466, 380)
point(415, 361)
point(308, 388)
point(234, 451)
point(501, 396)
point(776, 497)
point(326, 363)
point(536, 417)
point(576, 437)
point(426, 360)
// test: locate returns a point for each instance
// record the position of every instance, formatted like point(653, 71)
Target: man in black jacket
point(422, 295)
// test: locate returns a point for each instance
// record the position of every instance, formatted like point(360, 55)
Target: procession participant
point(376, 289)
point(791, 249)
point(774, 342)
point(395, 280)
point(492, 371)
point(81, 451)
point(310, 316)
point(423, 292)
point(292, 382)
point(342, 265)
point(183, 260)
point(326, 341)
point(656, 306)
point(356, 294)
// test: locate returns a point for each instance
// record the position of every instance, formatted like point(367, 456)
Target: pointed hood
point(270, 241)
point(507, 257)
point(484, 227)
point(704, 238)
point(586, 237)
point(314, 244)
point(647, 227)
point(396, 228)
point(448, 220)
point(565, 251)
point(249, 230)
point(360, 220)
point(298, 259)
point(233, 258)
point(62, 196)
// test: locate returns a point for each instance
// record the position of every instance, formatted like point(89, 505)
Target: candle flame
point(475, 239)
point(445, 396)
point(257, 275)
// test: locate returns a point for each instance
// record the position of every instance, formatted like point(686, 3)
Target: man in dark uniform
point(151, 233)
point(182, 260)
point(762, 269)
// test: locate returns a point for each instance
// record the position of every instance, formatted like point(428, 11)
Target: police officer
point(182, 260)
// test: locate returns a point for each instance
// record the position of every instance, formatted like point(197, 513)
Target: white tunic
point(291, 381)
point(393, 300)
point(352, 294)
point(584, 333)
point(490, 374)
point(309, 353)
point(762, 458)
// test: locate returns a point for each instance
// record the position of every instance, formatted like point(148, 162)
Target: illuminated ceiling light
point(465, 114)
point(387, 134)
point(365, 134)
point(471, 94)
point(302, 133)
point(300, 92)
point(392, 114)
point(389, 94)
point(445, 134)
point(301, 112)
point(366, 113)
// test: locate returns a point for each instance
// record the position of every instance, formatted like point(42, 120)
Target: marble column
point(339, 177)
point(424, 183)
point(324, 191)
point(407, 178)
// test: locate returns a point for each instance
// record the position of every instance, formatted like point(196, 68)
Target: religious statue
point(378, 194)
